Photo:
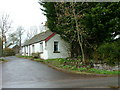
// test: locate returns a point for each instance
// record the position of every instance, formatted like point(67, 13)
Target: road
point(0, 75)
point(23, 73)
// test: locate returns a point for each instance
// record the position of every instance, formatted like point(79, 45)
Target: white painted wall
point(25, 51)
point(28, 50)
point(44, 55)
point(63, 47)
point(48, 48)
point(38, 49)
point(22, 51)
point(30, 46)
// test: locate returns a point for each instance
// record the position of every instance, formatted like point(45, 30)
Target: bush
point(38, 60)
point(82, 69)
point(8, 52)
point(3, 60)
point(61, 60)
point(66, 66)
point(109, 53)
point(73, 68)
point(36, 55)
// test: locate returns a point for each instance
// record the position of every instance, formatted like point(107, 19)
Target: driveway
point(23, 73)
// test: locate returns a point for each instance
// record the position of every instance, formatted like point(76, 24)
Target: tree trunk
point(2, 42)
point(0, 47)
point(79, 35)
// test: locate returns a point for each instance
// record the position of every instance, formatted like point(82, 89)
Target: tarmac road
point(23, 73)
point(0, 75)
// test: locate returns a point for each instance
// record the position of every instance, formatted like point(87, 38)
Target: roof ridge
point(40, 33)
point(39, 37)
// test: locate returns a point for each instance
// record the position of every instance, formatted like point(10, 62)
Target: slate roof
point(39, 37)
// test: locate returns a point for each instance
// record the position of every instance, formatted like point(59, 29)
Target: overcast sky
point(26, 13)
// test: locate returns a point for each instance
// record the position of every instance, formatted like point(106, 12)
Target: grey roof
point(39, 37)
point(11, 46)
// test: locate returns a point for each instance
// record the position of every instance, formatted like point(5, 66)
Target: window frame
point(57, 48)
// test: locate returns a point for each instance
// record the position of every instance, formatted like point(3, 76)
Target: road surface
point(0, 75)
point(23, 73)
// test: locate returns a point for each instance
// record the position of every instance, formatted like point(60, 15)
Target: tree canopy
point(84, 25)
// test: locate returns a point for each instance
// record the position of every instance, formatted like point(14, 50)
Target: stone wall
point(106, 67)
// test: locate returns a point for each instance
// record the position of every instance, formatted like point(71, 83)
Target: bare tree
point(13, 38)
point(79, 32)
point(5, 25)
point(32, 32)
point(20, 31)
point(0, 47)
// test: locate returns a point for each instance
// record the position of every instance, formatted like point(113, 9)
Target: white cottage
point(50, 45)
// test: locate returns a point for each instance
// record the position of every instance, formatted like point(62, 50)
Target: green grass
point(60, 63)
point(38, 60)
point(55, 62)
point(82, 69)
point(99, 71)
point(27, 57)
point(90, 70)
point(3, 60)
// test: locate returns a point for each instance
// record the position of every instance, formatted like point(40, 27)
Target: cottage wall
point(63, 48)
point(44, 55)
point(35, 48)
point(30, 50)
point(48, 48)
point(22, 50)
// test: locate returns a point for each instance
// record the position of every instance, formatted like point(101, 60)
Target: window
point(56, 47)
point(41, 47)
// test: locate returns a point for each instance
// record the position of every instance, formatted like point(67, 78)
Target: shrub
point(38, 60)
point(3, 60)
point(82, 69)
point(8, 52)
point(36, 55)
point(67, 66)
point(109, 53)
point(61, 60)
point(73, 68)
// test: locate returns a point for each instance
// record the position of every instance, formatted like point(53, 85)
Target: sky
point(25, 13)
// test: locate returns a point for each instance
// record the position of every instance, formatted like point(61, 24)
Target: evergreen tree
point(90, 24)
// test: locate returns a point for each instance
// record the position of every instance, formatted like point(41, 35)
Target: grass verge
point(60, 64)
point(26, 57)
point(3, 60)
